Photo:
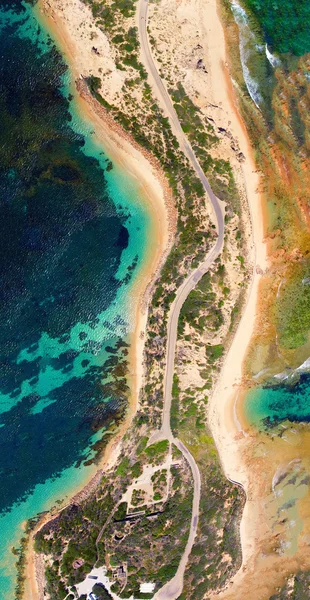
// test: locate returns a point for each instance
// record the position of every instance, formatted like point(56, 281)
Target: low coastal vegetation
point(138, 542)
point(139, 530)
point(141, 537)
point(21, 553)
point(216, 554)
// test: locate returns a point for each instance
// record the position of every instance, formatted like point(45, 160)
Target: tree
point(101, 592)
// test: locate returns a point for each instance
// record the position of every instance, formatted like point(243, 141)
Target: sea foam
point(246, 47)
point(273, 60)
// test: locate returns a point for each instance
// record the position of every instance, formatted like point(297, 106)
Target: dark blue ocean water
point(72, 236)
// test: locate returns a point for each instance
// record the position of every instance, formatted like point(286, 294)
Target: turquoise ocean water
point(74, 233)
point(269, 405)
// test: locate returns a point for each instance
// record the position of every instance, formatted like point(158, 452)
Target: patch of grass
point(214, 352)
point(122, 469)
point(142, 445)
point(156, 452)
point(136, 470)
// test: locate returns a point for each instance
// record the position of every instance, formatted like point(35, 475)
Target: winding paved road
point(173, 589)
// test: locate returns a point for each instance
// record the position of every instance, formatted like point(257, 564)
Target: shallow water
point(269, 405)
point(73, 236)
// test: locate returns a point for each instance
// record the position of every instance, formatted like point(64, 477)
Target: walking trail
point(173, 589)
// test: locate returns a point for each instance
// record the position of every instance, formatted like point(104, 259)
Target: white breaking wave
point(304, 368)
point(246, 44)
point(274, 60)
point(239, 13)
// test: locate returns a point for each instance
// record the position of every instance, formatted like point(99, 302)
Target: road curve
point(167, 105)
point(173, 589)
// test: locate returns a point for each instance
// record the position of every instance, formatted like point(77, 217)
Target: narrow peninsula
point(195, 485)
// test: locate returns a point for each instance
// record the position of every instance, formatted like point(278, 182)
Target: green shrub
point(123, 467)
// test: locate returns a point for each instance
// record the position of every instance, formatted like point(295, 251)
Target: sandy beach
point(140, 166)
point(270, 549)
point(192, 32)
point(223, 423)
point(226, 429)
point(153, 190)
point(69, 22)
